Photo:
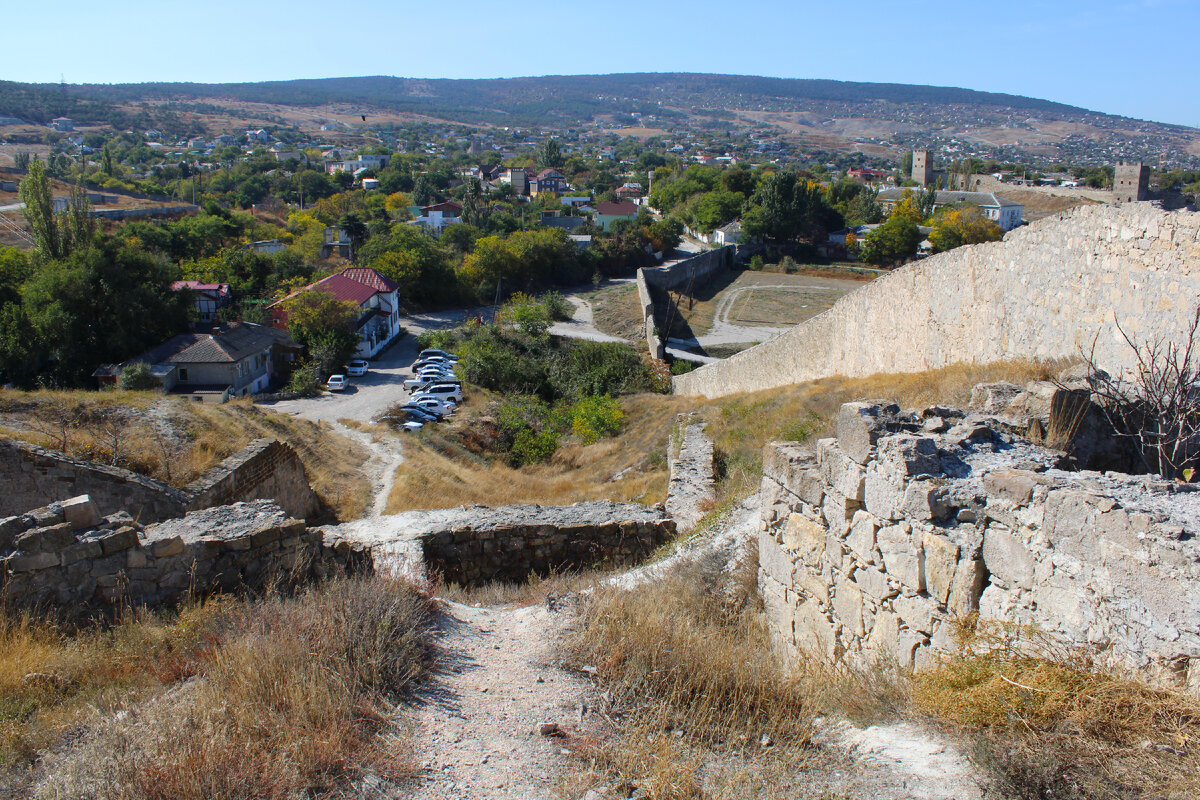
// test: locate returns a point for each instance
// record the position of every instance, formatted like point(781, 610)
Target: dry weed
point(1047, 722)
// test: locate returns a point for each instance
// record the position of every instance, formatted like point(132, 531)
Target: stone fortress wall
point(874, 546)
point(697, 270)
point(1047, 290)
point(32, 476)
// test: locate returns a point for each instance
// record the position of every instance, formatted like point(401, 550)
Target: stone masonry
point(31, 476)
point(66, 554)
point(691, 490)
point(876, 542)
point(477, 544)
point(1048, 290)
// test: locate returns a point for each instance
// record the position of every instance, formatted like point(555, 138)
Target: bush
point(681, 367)
point(788, 265)
point(306, 379)
point(136, 376)
point(756, 263)
point(557, 306)
point(594, 417)
point(532, 448)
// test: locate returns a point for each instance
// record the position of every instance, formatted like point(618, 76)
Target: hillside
point(875, 117)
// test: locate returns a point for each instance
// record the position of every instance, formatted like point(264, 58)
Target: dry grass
point(440, 472)
point(617, 311)
point(177, 442)
point(288, 697)
point(536, 589)
point(1047, 722)
point(699, 708)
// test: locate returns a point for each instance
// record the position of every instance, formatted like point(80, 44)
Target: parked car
point(439, 391)
point(442, 353)
point(356, 368)
point(337, 383)
point(419, 383)
point(428, 363)
point(413, 411)
point(443, 407)
point(409, 426)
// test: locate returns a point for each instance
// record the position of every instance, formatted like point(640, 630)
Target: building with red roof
point(210, 297)
point(376, 296)
point(610, 212)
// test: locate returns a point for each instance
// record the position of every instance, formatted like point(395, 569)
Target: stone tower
point(1131, 181)
point(922, 169)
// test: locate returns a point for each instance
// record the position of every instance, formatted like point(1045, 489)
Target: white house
point(1004, 213)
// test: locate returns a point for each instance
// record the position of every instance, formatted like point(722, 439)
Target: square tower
point(1131, 182)
point(922, 169)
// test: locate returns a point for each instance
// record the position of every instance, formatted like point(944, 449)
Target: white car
point(409, 427)
point(440, 391)
point(445, 407)
point(356, 368)
point(337, 383)
point(437, 353)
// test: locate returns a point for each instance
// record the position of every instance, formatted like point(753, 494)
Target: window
point(183, 376)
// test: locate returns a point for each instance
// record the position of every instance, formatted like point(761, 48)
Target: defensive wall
point(1047, 290)
point(67, 554)
point(695, 271)
point(477, 544)
point(873, 546)
point(31, 476)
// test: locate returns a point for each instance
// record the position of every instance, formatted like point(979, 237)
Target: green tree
point(893, 241)
point(36, 192)
point(954, 227)
point(326, 326)
point(551, 154)
point(531, 317)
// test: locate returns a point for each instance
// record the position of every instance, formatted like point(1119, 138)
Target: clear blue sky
point(1132, 57)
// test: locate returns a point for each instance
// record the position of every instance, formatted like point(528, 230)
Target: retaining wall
point(66, 554)
point(691, 489)
point(873, 546)
point(31, 476)
point(476, 544)
point(1046, 291)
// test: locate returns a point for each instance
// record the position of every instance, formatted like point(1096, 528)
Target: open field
point(617, 311)
point(756, 299)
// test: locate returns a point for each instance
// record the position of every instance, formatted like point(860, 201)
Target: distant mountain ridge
point(529, 100)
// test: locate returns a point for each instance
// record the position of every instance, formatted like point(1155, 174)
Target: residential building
point(608, 213)
point(366, 162)
point(213, 367)
point(267, 246)
point(259, 136)
point(62, 124)
point(629, 191)
point(1005, 213)
point(548, 180)
point(337, 243)
point(224, 140)
point(435, 217)
point(376, 296)
point(210, 297)
point(518, 178)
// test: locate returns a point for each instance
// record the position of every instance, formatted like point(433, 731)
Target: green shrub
point(306, 379)
point(756, 263)
point(136, 376)
point(557, 306)
point(532, 448)
point(681, 367)
point(594, 417)
point(788, 265)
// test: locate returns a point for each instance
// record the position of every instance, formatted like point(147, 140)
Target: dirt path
point(477, 726)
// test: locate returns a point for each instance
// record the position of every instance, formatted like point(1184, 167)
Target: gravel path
point(477, 725)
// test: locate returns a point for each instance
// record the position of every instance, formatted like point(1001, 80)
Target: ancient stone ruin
point(874, 544)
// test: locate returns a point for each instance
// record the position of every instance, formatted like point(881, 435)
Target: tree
point(894, 240)
point(551, 155)
point(531, 317)
point(37, 194)
point(326, 326)
point(106, 161)
point(954, 227)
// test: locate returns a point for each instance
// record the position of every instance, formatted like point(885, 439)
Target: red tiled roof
point(353, 284)
point(447, 206)
point(198, 286)
point(549, 173)
point(372, 278)
point(617, 209)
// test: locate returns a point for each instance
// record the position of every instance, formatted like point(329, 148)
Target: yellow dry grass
point(438, 474)
point(177, 442)
point(1047, 721)
point(289, 697)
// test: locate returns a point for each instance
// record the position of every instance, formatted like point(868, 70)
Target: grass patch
point(535, 590)
point(176, 441)
point(617, 311)
point(699, 707)
point(446, 465)
point(277, 697)
point(1046, 722)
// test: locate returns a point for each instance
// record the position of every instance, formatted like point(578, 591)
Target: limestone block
point(925, 500)
point(970, 580)
point(1007, 558)
point(992, 398)
point(903, 556)
point(908, 642)
point(122, 538)
point(804, 538)
point(814, 633)
point(859, 426)
point(840, 473)
point(941, 561)
point(774, 560)
point(1014, 485)
point(81, 512)
point(875, 583)
point(47, 539)
point(808, 485)
point(883, 497)
point(906, 456)
point(29, 562)
point(848, 607)
point(838, 511)
point(79, 551)
point(165, 548)
point(885, 636)
point(861, 538)
point(813, 586)
point(917, 611)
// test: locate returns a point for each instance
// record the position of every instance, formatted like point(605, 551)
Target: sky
point(1128, 57)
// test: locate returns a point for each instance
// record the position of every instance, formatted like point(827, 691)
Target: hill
point(825, 114)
